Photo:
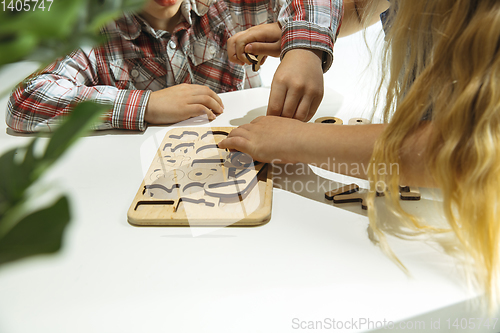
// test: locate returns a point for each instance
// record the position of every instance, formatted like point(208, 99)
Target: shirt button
point(212, 49)
point(134, 73)
point(172, 44)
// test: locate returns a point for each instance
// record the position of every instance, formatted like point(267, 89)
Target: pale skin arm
point(280, 140)
point(361, 13)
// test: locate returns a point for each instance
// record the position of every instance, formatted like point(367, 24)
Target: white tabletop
point(313, 262)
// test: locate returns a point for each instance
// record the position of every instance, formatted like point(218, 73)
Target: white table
point(312, 262)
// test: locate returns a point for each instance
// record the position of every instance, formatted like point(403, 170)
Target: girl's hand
point(269, 139)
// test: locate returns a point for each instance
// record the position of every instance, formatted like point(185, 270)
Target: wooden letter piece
point(347, 189)
point(256, 60)
point(357, 196)
point(351, 193)
point(409, 193)
point(348, 193)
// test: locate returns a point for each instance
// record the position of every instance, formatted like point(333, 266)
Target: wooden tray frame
point(166, 215)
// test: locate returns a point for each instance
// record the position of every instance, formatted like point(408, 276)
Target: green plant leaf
point(82, 117)
point(38, 233)
point(16, 46)
point(13, 182)
point(18, 176)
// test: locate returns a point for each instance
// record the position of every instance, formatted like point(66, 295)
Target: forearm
point(348, 150)
point(359, 14)
point(41, 101)
point(310, 25)
point(329, 146)
point(42, 104)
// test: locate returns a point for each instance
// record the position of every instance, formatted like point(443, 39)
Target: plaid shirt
point(136, 59)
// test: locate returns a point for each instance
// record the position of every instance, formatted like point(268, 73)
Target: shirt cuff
point(306, 35)
point(129, 109)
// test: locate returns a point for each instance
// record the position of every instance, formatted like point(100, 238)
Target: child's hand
point(269, 139)
point(180, 102)
point(297, 87)
point(264, 39)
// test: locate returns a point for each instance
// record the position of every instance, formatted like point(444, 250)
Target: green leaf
point(38, 233)
point(102, 18)
point(47, 24)
point(13, 181)
point(17, 177)
point(16, 47)
point(77, 124)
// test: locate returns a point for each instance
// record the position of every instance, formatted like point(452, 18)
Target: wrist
point(314, 55)
point(305, 143)
point(148, 112)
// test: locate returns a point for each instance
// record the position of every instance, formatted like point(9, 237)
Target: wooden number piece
point(359, 121)
point(329, 120)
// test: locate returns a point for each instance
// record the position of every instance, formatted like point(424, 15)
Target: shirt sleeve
point(41, 102)
point(311, 24)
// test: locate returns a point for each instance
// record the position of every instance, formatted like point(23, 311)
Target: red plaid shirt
point(136, 59)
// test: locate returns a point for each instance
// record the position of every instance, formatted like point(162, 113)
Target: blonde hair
point(444, 61)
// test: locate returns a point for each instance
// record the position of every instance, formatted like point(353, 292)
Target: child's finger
point(303, 109)
point(241, 131)
point(199, 94)
point(231, 49)
point(276, 99)
point(217, 98)
point(208, 102)
point(196, 110)
point(292, 101)
point(240, 40)
point(258, 119)
point(235, 143)
point(268, 49)
point(236, 48)
point(312, 109)
point(240, 50)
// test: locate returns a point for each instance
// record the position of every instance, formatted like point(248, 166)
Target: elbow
point(19, 115)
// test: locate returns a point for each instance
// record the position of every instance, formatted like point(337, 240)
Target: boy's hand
point(264, 39)
point(180, 102)
point(297, 87)
point(269, 139)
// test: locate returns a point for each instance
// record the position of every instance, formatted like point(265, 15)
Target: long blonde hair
point(444, 61)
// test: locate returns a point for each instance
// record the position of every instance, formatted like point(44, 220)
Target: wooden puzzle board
point(192, 182)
